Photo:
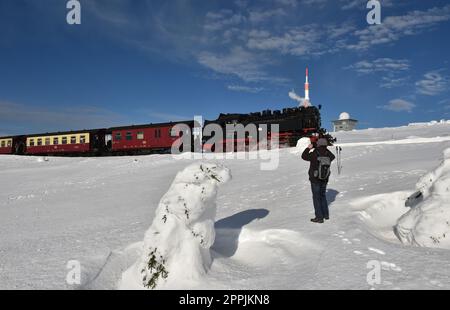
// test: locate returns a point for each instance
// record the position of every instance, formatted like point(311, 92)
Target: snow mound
point(103, 273)
point(428, 224)
point(176, 250)
point(381, 212)
point(302, 144)
point(431, 123)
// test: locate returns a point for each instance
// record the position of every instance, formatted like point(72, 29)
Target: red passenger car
point(145, 138)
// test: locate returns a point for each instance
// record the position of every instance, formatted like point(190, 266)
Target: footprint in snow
point(436, 283)
point(376, 251)
point(339, 234)
point(346, 241)
point(390, 266)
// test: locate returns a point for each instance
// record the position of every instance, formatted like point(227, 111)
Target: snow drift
point(428, 223)
point(176, 250)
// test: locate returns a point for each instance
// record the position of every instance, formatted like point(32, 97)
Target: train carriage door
point(108, 141)
point(98, 141)
point(19, 146)
point(95, 142)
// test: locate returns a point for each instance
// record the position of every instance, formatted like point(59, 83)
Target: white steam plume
point(297, 98)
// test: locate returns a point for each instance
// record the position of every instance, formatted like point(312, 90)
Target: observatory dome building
point(344, 123)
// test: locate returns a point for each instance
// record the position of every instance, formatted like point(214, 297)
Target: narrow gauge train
point(294, 123)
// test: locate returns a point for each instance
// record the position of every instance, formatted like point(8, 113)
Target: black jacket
point(311, 156)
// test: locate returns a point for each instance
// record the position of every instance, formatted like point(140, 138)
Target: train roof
point(264, 116)
point(63, 133)
point(151, 125)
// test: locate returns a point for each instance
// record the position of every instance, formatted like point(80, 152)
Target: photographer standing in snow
point(320, 159)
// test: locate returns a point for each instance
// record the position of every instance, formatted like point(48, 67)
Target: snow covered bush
point(177, 246)
point(428, 223)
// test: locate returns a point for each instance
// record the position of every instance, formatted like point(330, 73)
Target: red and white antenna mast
point(306, 101)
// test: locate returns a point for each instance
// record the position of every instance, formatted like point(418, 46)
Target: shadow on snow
point(229, 229)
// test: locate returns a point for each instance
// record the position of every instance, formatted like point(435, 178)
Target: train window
point(31, 142)
point(118, 136)
point(73, 140)
point(55, 141)
point(158, 133)
point(82, 139)
point(129, 136)
point(140, 135)
point(39, 142)
point(9, 143)
point(47, 141)
point(64, 140)
point(3, 144)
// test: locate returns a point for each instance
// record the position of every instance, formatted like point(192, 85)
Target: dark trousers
point(319, 191)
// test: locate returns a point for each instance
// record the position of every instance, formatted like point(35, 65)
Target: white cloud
point(399, 105)
point(292, 3)
point(252, 33)
point(433, 84)
point(362, 4)
point(264, 15)
point(391, 82)
point(299, 41)
point(380, 65)
point(245, 89)
point(338, 31)
point(395, 27)
point(222, 19)
point(391, 68)
point(319, 3)
point(238, 62)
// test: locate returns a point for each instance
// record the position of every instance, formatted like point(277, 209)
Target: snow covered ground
point(97, 210)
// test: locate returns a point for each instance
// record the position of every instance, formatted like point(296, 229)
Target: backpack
point(324, 171)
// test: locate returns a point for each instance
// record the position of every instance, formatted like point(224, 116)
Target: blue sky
point(141, 61)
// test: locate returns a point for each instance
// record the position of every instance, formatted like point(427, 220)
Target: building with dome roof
point(344, 123)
